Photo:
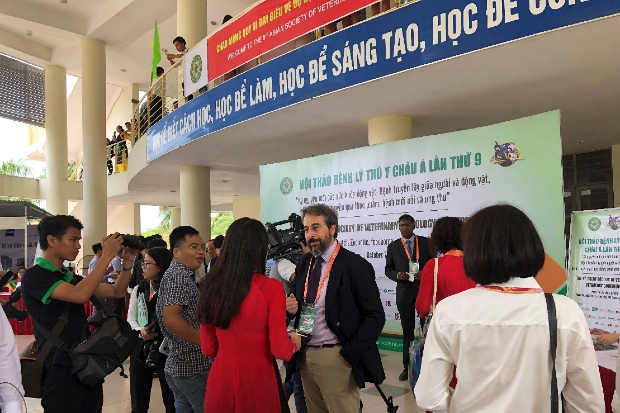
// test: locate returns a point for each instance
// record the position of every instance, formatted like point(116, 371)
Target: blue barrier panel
point(414, 35)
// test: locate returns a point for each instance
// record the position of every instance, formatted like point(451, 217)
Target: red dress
point(451, 279)
point(243, 376)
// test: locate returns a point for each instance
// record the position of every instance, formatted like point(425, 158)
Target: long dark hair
point(162, 257)
point(224, 288)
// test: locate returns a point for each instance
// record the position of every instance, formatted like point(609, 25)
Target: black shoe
point(404, 375)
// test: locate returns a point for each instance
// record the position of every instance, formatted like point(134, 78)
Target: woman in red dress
point(243, 326)
point(451, 278)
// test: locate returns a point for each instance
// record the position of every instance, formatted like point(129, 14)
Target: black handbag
point(33, 357)
point(98, 355)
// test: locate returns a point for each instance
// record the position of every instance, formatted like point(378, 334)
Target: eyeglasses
point(194, 247)
point(146, 264)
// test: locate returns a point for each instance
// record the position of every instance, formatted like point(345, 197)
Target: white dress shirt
point(10, 370)
point(499, 344)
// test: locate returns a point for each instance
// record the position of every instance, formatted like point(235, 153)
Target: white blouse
point(11, 390)
point(499, 344)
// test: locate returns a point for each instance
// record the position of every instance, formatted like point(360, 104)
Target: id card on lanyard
point(308, 311)
point(414, 266)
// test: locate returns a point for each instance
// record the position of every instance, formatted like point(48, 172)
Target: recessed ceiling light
point(225, 181)
point(172, 191)
point(123, 70)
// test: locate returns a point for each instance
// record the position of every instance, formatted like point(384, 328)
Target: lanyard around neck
point(324, 279)
point(417, 249)
point(510, 290)
point(454, 253)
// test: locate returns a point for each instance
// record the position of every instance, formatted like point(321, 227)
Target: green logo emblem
point(286, 186)
point(195, 71)
point(594, 224)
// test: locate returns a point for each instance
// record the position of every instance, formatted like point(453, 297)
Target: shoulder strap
point(553, 333)
point(435, 286)
point(98, 305)
point(53, 336)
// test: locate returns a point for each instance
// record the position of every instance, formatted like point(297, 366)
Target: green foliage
point(165, 217)
point(16, 168)
point(220, 223)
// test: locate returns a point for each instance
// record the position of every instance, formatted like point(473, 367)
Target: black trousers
point(141, 382)
point(63, 392)
point(407, 321)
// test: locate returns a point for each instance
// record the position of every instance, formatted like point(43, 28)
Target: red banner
point(269, 24)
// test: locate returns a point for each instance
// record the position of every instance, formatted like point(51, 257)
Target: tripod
point(388, 401)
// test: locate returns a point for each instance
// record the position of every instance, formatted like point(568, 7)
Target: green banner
point(453, 174)
point(594, 266)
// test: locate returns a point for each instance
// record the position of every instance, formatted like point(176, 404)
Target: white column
point(248, 206)
point(93, 130)
point(175, 217)
point(56, 152)
point(196, 199)
point(384, 129)
point(191, 22)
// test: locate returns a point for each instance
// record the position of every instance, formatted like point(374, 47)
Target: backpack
point(98, 355)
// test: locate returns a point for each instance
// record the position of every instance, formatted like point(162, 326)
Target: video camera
point(284, 242)
point(9, 310)
point(151, 348)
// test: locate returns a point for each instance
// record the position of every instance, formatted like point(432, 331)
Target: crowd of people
point(118, 149)
point(212, 332)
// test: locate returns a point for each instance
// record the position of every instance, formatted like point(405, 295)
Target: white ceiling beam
point(25, 45)
point(47, 17)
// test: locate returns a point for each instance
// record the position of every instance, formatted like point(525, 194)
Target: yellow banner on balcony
point(195, 73)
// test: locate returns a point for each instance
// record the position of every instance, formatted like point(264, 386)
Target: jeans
point(189, 392)
point(294, 387)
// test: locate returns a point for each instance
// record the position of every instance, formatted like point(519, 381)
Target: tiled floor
point(116, 390)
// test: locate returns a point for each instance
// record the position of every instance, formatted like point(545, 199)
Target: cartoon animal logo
point(614, 222)
point(506, 154)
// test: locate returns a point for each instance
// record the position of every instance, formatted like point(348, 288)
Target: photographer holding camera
point(51, 294)
point(142, 317)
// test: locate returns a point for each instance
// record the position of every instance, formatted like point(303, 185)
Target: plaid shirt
point(178, 287)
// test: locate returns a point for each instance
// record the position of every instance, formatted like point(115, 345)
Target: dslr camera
point(284, 238)
point(151, 348)
point(133, 241)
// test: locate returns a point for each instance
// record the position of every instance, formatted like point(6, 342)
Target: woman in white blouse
point(141, 316)
point(497, 334)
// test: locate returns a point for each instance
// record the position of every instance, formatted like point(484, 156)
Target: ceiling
point(574, 70)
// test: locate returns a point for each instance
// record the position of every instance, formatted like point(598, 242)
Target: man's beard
point(320, 249)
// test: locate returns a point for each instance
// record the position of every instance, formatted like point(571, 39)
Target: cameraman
point(48, 289)
point(142, 317)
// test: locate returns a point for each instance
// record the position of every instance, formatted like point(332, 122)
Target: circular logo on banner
point(594, 224)
point(506, 154)
point(286, 186)
point(196, 69)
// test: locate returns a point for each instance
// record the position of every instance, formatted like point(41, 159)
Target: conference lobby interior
point(415, 70)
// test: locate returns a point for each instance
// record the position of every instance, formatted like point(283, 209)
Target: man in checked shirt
point(186, 369)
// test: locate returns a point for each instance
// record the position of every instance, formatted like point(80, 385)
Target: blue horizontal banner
point(416, 34)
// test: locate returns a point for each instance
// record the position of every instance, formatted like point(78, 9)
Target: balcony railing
point(166, 92)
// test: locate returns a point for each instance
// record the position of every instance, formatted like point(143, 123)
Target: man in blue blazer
point(339, 314)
